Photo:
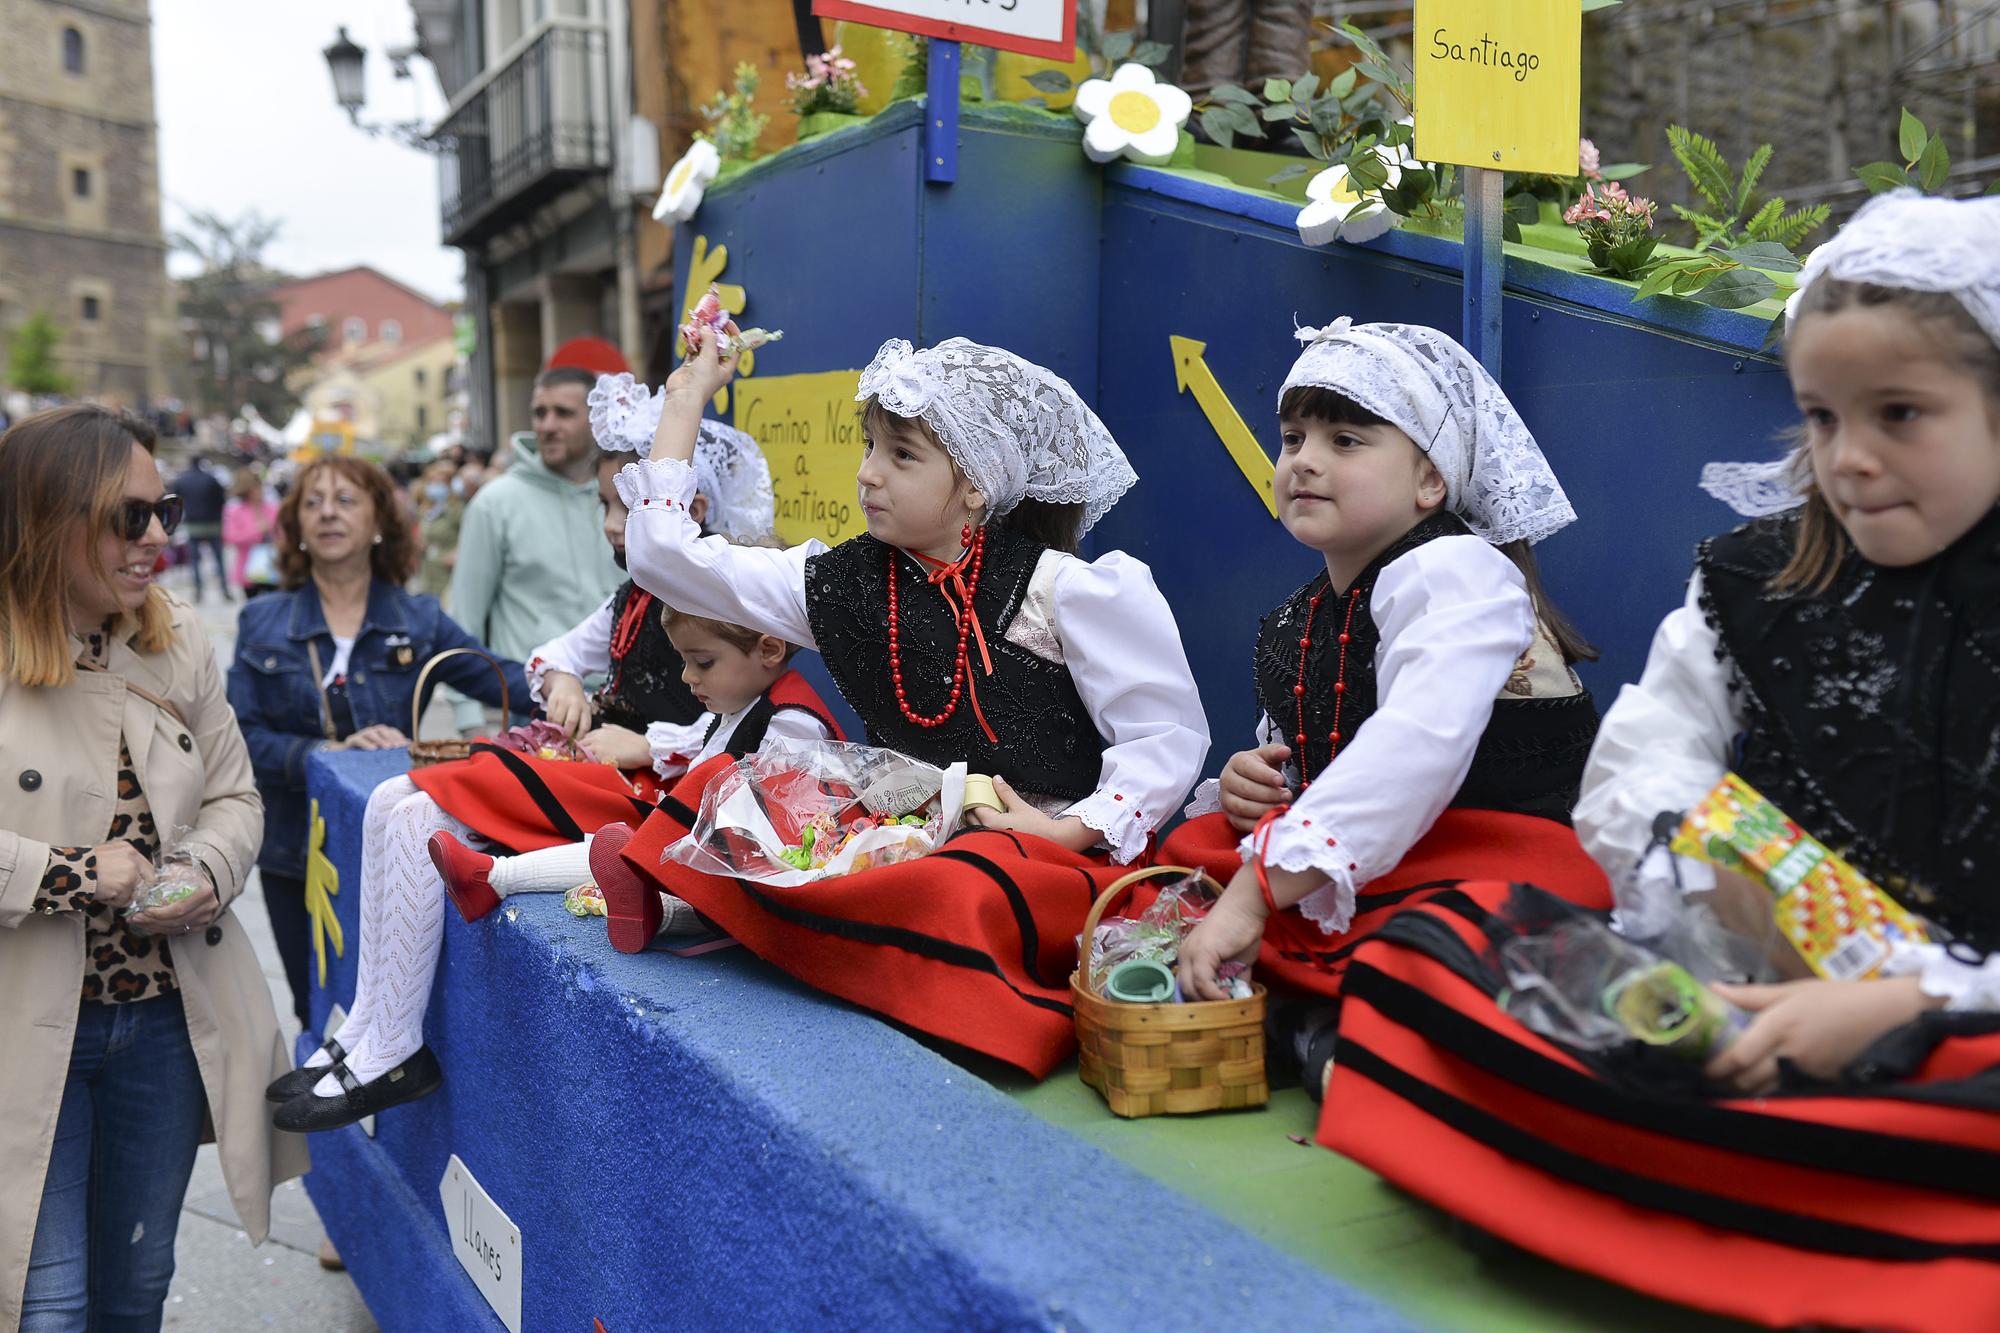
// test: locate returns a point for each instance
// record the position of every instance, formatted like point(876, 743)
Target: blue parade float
point(695, 1141)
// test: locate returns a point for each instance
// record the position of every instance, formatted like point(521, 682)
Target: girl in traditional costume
point(1836, 1163)
point(1420, 721)
point(962, 626)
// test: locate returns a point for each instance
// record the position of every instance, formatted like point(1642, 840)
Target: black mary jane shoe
point(287, 1086)
point(418, 1076)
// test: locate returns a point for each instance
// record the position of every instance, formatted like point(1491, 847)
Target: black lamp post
point(348, 63)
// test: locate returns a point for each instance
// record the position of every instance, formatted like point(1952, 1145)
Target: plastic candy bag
point(177, 877)
point(799, 811)
point(1583, 984)
point(1154, 934)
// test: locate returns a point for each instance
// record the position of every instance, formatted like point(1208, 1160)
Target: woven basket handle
point(423, 677)
point(1119, 886)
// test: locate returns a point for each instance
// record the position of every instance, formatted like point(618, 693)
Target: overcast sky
point(248, 121)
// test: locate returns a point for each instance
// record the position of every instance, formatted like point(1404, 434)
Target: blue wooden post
point(1485, 213)
point(941, 113)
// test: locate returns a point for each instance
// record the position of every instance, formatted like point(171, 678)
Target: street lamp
point(348, 63)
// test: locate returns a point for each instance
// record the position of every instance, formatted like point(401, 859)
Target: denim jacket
point(277, 701)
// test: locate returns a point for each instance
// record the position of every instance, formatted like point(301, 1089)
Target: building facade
point(358, 307)
point(560, 115)
point(80, 230)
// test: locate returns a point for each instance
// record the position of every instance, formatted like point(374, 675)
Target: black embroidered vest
point(1872, 711)
point(789, 693)
point(1048, 743)
point(1530, 758)
point(644, 684)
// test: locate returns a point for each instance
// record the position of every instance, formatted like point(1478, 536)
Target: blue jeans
point(125, 1142)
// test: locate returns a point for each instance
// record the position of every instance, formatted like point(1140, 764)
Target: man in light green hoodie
point(532, 559)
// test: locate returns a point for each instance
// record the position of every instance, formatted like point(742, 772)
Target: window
point(91, 309)
point(79, 182)
point(72, 51)
point(270, 330)
point(423, 420)
point(421, 377)
point(389, 331)
point(315, 321)
point(354, 330)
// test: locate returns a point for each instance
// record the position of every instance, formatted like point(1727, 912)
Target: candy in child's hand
point(708, 313)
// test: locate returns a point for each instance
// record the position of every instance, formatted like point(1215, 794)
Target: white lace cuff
point(537, 667)
point(675, 744)
point(656, 483)
point(1125, 827)
point(1207, 799)
point(1963, 985)
point(1299, 844)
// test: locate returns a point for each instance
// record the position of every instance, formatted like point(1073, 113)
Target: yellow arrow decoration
point(1192, 372)
point(322, 883)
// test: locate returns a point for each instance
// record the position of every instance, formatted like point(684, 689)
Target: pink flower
point(1586, 209)
point(1642, 208)
point(1611, 190)
point(1588, 159)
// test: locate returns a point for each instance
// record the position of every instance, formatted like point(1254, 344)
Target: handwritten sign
point(1045, 28)
point(809, 427)
point(486, 1241)
point(1498, 86)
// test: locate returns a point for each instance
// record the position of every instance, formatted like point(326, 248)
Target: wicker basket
point(1167, 1059)
point(425, 753)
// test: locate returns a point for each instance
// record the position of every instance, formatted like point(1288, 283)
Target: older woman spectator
point(123, 1031)
point(331, 663)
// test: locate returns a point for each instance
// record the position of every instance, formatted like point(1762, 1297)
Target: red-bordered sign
point(1045, 28)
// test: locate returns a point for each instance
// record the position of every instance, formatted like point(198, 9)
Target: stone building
point(79, 192)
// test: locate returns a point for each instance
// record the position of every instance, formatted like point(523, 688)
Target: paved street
point(221, 1281)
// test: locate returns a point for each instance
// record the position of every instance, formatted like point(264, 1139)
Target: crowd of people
point(1428, 777)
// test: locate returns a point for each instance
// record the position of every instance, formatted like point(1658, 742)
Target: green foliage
point(734, 126)
point(1926, 162)
point(1727, 194)
point(1105, 52)
point(31, 361)
point(225, 306)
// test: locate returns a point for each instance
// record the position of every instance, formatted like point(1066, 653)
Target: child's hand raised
point(1252, 785)
point(1819, 1026)
point(705, 370)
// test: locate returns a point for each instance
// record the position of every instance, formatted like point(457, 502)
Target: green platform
point(1326, 1210)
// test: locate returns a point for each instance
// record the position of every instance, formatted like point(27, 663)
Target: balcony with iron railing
point(529, 127)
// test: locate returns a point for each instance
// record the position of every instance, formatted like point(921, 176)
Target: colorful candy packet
point(708, 313)
point(1842, 924)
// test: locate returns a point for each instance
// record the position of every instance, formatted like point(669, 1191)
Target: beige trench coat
point(58, 783)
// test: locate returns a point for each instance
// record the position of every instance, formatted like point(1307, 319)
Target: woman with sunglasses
point(121, 1030)
point(330, 662)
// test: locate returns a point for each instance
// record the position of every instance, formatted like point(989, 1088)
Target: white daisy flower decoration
point(1335, 209)
point(687, 182)
point(1131, 115)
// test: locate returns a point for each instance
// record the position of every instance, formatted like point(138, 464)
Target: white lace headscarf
point(1427, 386)
point(1016, 430)
point(1901, 239)
point(729, 468)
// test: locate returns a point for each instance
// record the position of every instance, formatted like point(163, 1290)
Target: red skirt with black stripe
point(525, 804)
point(1463, 844)
point(1854, 1205)
point(974, 943)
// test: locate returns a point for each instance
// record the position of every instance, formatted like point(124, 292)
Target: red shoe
point(465, 875)
point(632, 911)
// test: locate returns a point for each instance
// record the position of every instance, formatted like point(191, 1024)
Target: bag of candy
point(1583, 984)
point(799, 811)
point(177, 876)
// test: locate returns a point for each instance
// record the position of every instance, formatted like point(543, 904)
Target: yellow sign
point(1191, 372)
point(1497, 85)
point(809, 427)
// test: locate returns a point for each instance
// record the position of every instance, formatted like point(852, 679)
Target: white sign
point(487, 1243)
point(1045, 28)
